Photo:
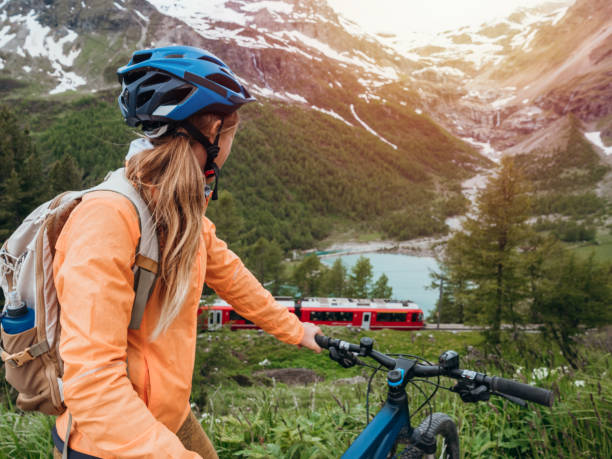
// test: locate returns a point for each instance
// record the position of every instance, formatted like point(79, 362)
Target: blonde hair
point(170, 180)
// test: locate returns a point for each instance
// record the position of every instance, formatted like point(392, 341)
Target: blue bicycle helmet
point(167, 85)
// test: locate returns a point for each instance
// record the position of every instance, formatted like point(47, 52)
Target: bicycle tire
point(441, 427)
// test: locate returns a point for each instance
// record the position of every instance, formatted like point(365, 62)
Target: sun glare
point(402, 17)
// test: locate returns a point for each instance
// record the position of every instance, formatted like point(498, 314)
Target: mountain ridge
point(435, 108)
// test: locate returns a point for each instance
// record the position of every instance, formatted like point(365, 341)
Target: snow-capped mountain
point(494, 85)
point(522, 74)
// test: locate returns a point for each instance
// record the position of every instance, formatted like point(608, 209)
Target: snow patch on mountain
point(5, 35)
point(40, 42)
point(499, 103)
point(294, 97)
point(270, 6)
point(332, 114)
point(595, 139)
point(483, 45)
point(201, 19)
point(485, 148)
point(141, 16)
point(369, 129)
point(387, 73)
point(68, 81)
point(239, 17)
point(271, 94)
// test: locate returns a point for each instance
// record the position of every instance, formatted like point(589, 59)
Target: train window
point(415, 317)
point(329, 316)
point(391, 317)
point(235, 316)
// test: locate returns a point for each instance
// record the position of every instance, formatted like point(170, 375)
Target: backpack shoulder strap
point(147, 252)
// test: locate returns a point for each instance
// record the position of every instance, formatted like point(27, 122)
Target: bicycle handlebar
point(520, 390)
point(493, 383)
point(327, 342)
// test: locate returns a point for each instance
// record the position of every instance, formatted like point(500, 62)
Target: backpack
point(33, 365)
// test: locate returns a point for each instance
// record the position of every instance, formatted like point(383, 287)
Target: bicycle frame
point(378, 438)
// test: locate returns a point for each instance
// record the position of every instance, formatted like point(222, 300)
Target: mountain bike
point(390, 434)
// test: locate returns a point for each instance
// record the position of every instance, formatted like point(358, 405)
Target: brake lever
point(518, 401)
point(345, 358)
point(470, 392)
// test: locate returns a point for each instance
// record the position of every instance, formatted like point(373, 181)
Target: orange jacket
point(129, 396)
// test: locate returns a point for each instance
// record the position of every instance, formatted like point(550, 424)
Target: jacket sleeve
point(227, 275)
point(94, 282)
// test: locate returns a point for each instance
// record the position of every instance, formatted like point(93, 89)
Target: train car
point(365, 314)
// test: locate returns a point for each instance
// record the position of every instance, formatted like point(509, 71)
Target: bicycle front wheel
point(443, 430)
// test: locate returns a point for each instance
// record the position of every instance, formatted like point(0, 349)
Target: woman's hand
point(310, 330)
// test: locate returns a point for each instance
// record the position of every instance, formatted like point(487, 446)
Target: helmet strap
point(212, 150)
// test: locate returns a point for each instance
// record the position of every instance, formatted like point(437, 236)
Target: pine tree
point(22, 183)
point(572, 296)
point(360, 278)
point(228, 220)
point(264, 260)
point(381, 288)
point(308, 274)
point(10, 200)
point(334, 282)
point(485, 259)
point(65, 175)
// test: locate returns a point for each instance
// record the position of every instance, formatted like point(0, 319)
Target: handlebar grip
point(322, 341)
point(524, 391)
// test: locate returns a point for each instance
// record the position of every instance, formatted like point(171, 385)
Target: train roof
point(344, 303)
point(359, 303)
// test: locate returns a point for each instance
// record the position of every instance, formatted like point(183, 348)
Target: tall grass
point(299, 422)
point(24, 436)
point(322, 420)
point(268, 419)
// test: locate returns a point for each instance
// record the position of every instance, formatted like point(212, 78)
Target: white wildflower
point(579, 383)
point(264, 363)
point(540, 373)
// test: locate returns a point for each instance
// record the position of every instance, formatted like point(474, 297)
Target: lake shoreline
point(420, 247)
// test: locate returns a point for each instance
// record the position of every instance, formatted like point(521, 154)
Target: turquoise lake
point(408, 275)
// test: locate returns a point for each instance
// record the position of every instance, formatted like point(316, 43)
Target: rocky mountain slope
point(505, 86)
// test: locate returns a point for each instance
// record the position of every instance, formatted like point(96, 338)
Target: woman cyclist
point(127, 391)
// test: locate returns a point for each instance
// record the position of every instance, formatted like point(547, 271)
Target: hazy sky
point(405, 16)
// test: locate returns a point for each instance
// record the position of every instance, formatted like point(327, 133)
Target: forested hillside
point(293, 174)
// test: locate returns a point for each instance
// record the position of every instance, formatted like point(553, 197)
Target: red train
point(366, 314)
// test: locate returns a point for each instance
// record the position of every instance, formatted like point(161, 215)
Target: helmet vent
point(133, 76)
point(173, 56)
point(141, 57)
point(224, 81)
point(143, 98)
point(210, 59)
point(157, 78)
point(176, 96)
